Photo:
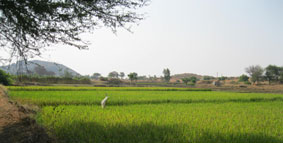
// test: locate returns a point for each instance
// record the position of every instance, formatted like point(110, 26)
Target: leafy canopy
point(133, 76)
point(5, 78)
point(166, 73)
point(27, 26)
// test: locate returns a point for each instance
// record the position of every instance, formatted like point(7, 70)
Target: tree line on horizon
point(255, 75)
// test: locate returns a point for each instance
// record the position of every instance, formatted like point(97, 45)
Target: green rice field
point(155, 115)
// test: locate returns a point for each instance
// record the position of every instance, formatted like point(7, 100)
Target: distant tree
point(272, 73)
point(67, 74)
point(255, 73)
point(167, 76)
point(133, 76)
point(222, 78)
point(281, 75)
point(207, 78)
point(5, 78)
point(96, 76)
point(186, 80)
point(193, 79)
point(40, 70)
point(122, 75)
point(143, 77)
point(113, 74)
point(103, 78)
point(154, 78)
point(114, 81)
point(243, 78)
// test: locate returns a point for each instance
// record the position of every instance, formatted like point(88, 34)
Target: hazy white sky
point(186, 36)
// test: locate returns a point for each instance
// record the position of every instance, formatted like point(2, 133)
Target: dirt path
point(15, 124)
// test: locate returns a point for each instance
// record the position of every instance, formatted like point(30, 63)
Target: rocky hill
point(39, 68)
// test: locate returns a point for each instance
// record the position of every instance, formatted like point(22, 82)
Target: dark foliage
point(103, 78)
point(114, 81)
point(52, 79)
point(5, 78)
point(243, 78)
point(133, 76)
point(27, 26)
point(167, 76)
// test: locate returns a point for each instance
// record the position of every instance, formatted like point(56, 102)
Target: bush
point(114, 81)
point(32, 79)
point(208, 78)
point(247, 82)
point(103, 78)
point(243, 78)
point(222, 78)
point(5, 78)
point(233, 82)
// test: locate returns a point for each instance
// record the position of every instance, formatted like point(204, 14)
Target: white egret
point(103, 102)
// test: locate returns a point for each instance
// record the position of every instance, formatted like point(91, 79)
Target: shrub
point(243, 78)
point(115, 81)
point(5, 78)
point(103, 78)
point(233, 82)
point(247, 82)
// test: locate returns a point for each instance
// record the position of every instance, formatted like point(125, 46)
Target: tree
point(133, 76)
point(186, 80)
point(5, 78)
point(40, 70)
point(143, 77)
point(207, 78)
point(222, 78)
point(122, 75)
point(166, 73)
point(243, 78)
point(103, 78)
point(255, 73)
point(193, 79)
point(96, 76)
point(27, 26)
point(281, 75)
point(154, 78)
point(114, 81)
point(113, 74)
point(67, 74)
point(272, 73)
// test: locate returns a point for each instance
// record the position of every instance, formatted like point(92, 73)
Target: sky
point(205, 37)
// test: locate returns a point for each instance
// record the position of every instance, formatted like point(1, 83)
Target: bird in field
point(103, 102)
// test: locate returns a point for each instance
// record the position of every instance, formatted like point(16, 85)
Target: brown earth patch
point(16, 126)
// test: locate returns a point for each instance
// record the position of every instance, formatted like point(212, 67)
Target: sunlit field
point(155, 115)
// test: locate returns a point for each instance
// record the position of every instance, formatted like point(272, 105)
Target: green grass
point(158, 116)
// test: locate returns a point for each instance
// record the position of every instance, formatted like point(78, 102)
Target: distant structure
point(216, 83)
point(103, 102)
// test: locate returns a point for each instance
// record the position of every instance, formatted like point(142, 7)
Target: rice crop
point(157, 116)
point(72, 88)
point(167, 123)
point(44, 98)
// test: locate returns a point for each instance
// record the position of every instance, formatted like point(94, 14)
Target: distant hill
point(40, 68)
